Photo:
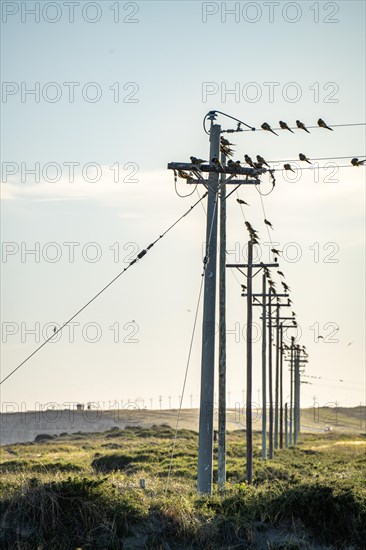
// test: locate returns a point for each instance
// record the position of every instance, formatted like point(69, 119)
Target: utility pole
point(291, 388)
point(270, 388)
point(264, 368)
point(170, 401)
point(195, 176)
point(205, 446)
point(281, 386)
point(221, 451)
point(151, 403)
point(286, 426)
point(297, 395)
point(191, 400)
point(160, 400)
point(277, 373)
point(249, 465)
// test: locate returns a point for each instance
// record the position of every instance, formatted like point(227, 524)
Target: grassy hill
point(83, 491)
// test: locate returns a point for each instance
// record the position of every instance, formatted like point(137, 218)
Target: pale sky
point(162, 66)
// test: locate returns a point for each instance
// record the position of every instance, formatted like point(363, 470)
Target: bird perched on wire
point(266, 126)
point(288, 167)
point(196, 161)
point(322, 124)
point(268, 223)
point(275, 251)
point(302, 126)
point(285, 286)
point(304, 158)
point(240, 201)
point(356, 162)
point(248, 160)
point(284, 126)
point(280, 273)
point(262, 161)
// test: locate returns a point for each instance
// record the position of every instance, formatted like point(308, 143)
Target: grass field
point(83, 491)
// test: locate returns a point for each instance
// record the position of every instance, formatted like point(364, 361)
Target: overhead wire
point(139, 256)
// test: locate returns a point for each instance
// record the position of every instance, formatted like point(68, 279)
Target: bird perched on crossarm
point(322, 124)
point(302, 126)
point(284, 126)
point(197, 161)
point(248, 160)
point(262, 161)
point(216, 161)
point(304, 158)
point(183, 174)
point(266, 126)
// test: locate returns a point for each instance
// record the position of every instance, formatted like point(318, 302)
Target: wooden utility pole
point(281, 386)
point(264, 371)
point(270, 388)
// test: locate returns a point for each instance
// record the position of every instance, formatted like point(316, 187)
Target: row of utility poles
point(219, 176)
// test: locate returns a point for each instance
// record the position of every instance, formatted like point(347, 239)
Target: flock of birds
point(226, 149)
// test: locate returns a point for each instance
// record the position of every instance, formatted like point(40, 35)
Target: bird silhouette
point(197, 161)
point(275, 251)
point(226, 142)
point(54, 329)
point(248, 160)
point(217, 162)
point(302, 126)
point(322, 124)
point(280, 273)
point(266, 126)
point(231, 163)
point(304, 158)
point(262, 161)
point(243, 287)
point(289, 302)
point(285, 286)
point(288, 167)
point(284, 126)
point(240, 201)
point(237, 164)
point(356, 162)
point(268, 223)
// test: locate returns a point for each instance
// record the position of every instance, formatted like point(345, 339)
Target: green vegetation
point(83, 491)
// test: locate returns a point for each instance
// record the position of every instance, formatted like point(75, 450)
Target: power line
point(138, 257)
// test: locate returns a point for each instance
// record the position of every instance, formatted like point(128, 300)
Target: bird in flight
point(275, 251)
point(322, 124)
point(268, 223)
point(262, 161)
point(302, 126)
point(304, 158)
point(288, 167)
point(197, 161)
point(356, 162)
point(240, 201)
point(284, 126)
point(266, 126)
point(248, 160)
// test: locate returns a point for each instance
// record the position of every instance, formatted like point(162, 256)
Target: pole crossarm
point(253, 265)
point(188, 166)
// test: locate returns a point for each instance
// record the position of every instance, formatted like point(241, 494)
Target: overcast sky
point(119, 90)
